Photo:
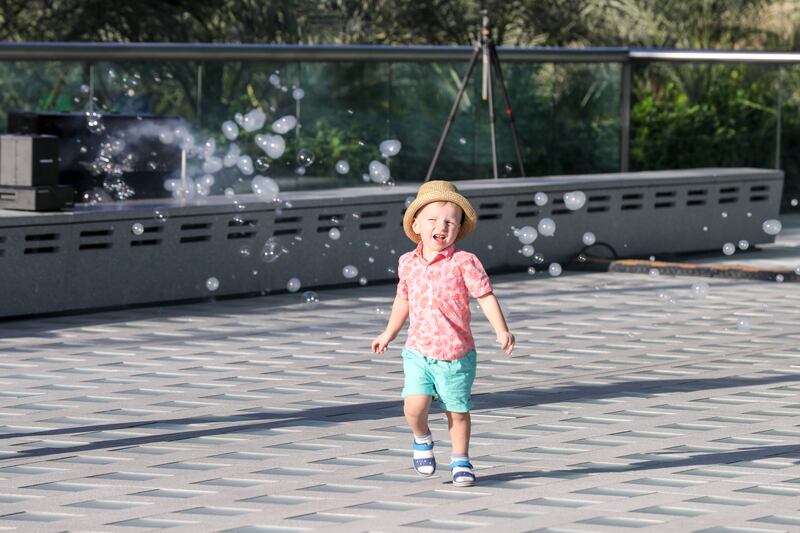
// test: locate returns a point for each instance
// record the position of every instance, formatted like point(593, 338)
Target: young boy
point(436, 281)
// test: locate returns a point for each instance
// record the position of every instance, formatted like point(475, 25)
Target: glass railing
point(576, 111)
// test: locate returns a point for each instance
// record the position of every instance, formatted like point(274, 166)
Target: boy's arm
point(396, 321)
point(491, 308)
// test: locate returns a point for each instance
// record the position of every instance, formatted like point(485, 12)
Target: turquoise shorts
point(449, 382)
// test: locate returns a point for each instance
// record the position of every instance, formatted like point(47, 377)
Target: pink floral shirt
point(438, 299)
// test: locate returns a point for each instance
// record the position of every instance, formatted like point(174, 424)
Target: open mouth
point(439, 237)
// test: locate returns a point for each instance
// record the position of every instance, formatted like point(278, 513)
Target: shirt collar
point(444, 254)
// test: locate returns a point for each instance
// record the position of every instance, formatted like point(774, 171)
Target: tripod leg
point(453, 111)
point(492, 129)
point(509, 112)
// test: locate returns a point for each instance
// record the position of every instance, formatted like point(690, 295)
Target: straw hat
point(440, 191)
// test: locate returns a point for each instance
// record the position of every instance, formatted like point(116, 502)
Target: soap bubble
point(265, 188)
point(699, 290)
point(272, 250)
point(275, 80)
point(538, 258)
point(462, 140)
point(724, 214)
point(284, 124)
point(311, 299)
point(554, 269)
point(137, 229)
point(209, 147)
point(589, 238)
point(183, 189)
point(261, 141)
point(94, 122)
point(779, 278)
point(305, 157)
point(378, 172)
point(362, 280)
point(212, 284)
point(207, 180)
point(531, 270)
point(527, 250)
point(253, 120)
point(334, 234)
point(262, 163)
point(410, 200)
point(668, 297)
point(653, 273)
point(232, 157)
point(547, 227)
point(540, 199)
point(230, 130)
point(298, 94)
point(390, 147)
point(159, 216)
point(181, 134)
point(116, 146)
point(293, 285)
point(349, 272)
point(212, 165)
point(743, 324)
point(728, 248)
point(772, 226)
point(794, 202)
point(342, 166)
point(526, 234)
point(274, 146)
point(245, 164)
point(574, 200)
point(744, 245)
point(238, 118)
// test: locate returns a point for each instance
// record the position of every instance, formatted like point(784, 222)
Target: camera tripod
point(485, 49)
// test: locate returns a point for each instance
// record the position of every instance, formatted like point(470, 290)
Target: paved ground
point(629, 403)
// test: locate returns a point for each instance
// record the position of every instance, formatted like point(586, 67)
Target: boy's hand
point(381, 342)
point(506, 341)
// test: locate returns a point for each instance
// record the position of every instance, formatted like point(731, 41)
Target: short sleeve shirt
point(438, 295)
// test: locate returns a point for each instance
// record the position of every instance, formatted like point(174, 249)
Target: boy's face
point(438, 224)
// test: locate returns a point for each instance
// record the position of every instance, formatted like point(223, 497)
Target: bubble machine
point(133, 149)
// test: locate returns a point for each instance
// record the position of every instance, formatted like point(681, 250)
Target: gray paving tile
point(617, 411)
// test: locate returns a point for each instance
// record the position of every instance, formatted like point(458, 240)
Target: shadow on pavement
point(716, 458)
point(340, 414)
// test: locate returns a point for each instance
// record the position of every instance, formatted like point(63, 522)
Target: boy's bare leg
point(416, 410)
point(460, 426)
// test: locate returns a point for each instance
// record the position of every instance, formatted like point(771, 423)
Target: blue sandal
point(462, 474)
point(424, 462)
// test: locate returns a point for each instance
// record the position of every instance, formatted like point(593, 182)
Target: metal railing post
point(778, 117)
point(199, 96)
point(625, 117)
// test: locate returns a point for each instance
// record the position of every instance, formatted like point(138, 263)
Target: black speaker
point(29, 160)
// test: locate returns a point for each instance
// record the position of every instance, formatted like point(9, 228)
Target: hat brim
point(467, 223)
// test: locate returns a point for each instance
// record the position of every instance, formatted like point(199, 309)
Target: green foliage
point(567, 114)
point(733, 123)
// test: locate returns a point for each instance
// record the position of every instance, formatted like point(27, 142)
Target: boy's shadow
point(264, 420)
point(716, 458)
